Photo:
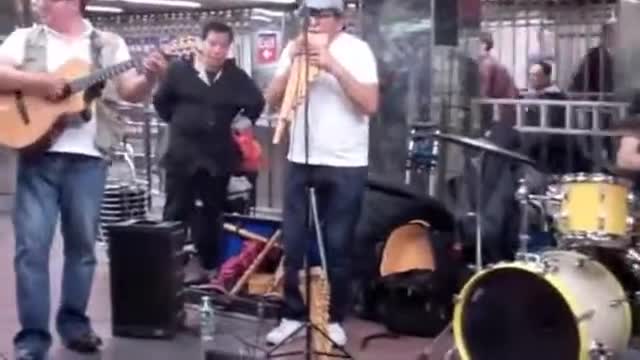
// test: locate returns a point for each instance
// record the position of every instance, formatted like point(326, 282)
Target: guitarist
point(66, 179)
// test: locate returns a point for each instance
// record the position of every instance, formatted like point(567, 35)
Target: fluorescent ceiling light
point(106, 9)
point(268, 12)
point(174, 3)
point(260, 18)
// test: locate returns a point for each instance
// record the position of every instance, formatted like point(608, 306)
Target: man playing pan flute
point(69, 178)
point(341, 99)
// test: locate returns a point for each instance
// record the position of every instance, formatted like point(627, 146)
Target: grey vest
point(103, 49)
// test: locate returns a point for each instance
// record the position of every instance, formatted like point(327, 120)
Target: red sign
point(267, 48)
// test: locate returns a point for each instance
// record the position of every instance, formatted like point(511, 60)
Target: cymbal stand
point(522, 195)
point(479, 211)
point(422, 154)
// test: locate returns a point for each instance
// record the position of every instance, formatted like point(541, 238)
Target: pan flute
point(296, 90)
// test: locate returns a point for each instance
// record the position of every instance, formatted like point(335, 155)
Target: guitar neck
point(96, 77)
point(86, 82)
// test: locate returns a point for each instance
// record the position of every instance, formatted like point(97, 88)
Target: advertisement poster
point(267, 48)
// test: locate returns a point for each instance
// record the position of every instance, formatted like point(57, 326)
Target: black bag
point(414, 303)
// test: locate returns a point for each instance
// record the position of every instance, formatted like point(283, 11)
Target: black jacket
point(554, 153)
point(200, 116)
point(595, 73)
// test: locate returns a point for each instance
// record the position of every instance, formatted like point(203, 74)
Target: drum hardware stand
point(422, 154)
point(479, 211)
point(632, 258)
point(313, 222)
point(599, 352)
point(445, 334)
point(522, 195)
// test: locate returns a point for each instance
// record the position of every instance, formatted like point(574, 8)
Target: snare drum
point(595, 210)
point(560, 305)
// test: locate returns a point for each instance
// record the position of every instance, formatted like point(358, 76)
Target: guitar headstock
point(183, 47)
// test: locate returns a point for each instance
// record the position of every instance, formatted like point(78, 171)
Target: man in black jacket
point(595, 73)
point(556, 154)
point(200, 101)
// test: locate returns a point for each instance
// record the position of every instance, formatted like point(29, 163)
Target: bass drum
point(555, 306)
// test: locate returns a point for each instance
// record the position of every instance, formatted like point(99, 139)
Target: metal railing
point(580, 117)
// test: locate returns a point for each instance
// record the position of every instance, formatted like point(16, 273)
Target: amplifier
point(147, 274)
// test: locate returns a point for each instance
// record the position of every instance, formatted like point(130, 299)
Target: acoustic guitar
point(30, 124)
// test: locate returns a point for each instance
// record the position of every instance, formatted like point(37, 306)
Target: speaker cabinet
point(147, 277)
point(445, 22)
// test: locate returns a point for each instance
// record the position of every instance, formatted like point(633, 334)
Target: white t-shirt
point(80, 137)
point(338, 131)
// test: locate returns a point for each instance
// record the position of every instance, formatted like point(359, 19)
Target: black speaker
point(147, 277)
point(445, 22)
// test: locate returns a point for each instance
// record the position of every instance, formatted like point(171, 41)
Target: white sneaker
point(337, 334)
point(284, 330)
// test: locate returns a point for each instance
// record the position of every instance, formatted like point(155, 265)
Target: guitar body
point(31, 123)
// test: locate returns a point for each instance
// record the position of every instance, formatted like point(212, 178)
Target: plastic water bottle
point(207, 327)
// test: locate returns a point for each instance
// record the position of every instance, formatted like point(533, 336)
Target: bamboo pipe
point(296, 89)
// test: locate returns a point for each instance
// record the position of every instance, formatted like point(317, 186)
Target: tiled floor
point(184, 347)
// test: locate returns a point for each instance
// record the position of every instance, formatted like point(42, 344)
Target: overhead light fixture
point(260, 18)
point(105, 9)
point(268, 12)
point(171, 3)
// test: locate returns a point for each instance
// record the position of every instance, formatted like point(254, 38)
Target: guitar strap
point(96, 46)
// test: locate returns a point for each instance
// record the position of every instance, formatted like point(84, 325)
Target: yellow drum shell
point(594, 208)
point(597, 301)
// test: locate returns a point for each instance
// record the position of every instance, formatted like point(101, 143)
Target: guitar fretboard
point(85, 82)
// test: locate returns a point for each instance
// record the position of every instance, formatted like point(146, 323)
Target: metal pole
point(147, 157)
point(479, 212)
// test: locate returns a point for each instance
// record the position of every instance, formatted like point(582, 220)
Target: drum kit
point(571, 301)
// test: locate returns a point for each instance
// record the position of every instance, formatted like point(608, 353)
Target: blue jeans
point(339, 193)
point(72, 186)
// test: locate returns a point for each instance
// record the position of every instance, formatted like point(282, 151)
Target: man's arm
point(277, 87)
point(133, 86)
point(275, 90)
point(254, 101)
point(12, 79)
point(364, 96)
point(628, 157)
point(164, 100)
point(359, 80)
point(484, 70)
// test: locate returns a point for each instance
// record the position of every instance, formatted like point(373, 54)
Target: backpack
point(416, 299)
point(414, 303)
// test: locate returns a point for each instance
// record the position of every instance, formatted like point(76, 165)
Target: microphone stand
point(312, 221)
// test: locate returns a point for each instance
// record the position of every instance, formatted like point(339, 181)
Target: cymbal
point(485, 145)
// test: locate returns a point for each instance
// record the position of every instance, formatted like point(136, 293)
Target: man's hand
point(50, 87)
point(319, 56)
point(155, 65)
point(135, 87)
point(296, 47)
